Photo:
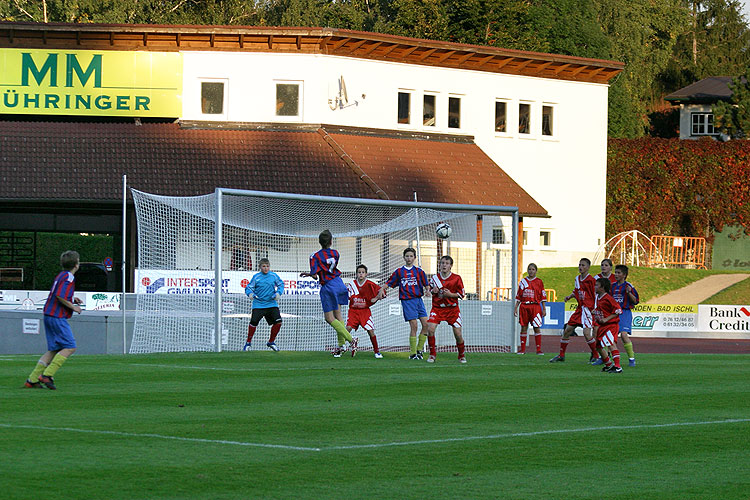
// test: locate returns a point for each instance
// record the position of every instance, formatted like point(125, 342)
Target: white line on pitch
point(378, 445)
point(534, 433)
point(299, 368)
point(161, 436)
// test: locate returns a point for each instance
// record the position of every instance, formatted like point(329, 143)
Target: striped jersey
point(619, 292)
point(64, 287)
point(325, 263)
point(453, 283)
point(531, 290)
point(583, 290)
point(411, 282)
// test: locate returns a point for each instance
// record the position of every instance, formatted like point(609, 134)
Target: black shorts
point(271, 314)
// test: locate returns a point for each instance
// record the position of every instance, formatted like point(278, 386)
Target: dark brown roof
point(708, 90)
point(84, 162)
point(331, 41)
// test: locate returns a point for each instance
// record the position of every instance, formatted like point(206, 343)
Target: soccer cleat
point(419, 355)
point(614, 369)
point(247, 346)
point(48, 382)
point(355, 342)
point(606, 368)
point(593, 358)
point(272, 346)
point(540, 353)
point(431, 359)
point(462, 359)
point(336, 352)
point(520, 352)
point(32, 385)
point(378, 355)
point(413, 356)
point(597, 362)
point(631, 362)
point(557, 359)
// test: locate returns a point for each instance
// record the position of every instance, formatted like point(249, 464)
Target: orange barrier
point(507, 294)
point(683, 251)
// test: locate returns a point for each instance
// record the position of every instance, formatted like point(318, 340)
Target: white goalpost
point(196, 254)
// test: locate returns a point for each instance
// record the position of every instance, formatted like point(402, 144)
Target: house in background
point(696, 106)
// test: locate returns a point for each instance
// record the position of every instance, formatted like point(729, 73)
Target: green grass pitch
point(294, 425)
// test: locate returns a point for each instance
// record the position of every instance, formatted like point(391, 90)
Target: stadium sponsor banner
point(656, 317)
point(93, 83)
point(202, 282)
point(724, 319)
point(101, 301)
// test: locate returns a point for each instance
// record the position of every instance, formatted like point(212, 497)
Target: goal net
point(182, 251)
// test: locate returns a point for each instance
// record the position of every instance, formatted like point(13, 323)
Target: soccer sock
point(431, 342)
point(55, 365)
point(421, 341)
point(274, 332)
point(592, 346)
point(341, 330)
point(607, 361)
point(38, 369)
point(374, 342)
point(523, 342)
point(629, 349)
point(563, 346)
point(412, 345)
point(250, 332)
point(616, 357)
point(538, 340)
point(461, 349)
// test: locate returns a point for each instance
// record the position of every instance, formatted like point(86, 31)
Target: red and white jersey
point(360, 296)
point(453, 283)
point(606, 306)
point(531, 291)
point(611, 277)
point(584, 291)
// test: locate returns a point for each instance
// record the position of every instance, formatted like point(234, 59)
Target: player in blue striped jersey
point(333, 292)
point(626, 295)
point(412, 285)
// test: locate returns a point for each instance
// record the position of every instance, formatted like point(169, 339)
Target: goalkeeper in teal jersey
point(264, 289)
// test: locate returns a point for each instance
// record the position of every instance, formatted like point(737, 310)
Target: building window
point(547, 120)
point(703, 123)
point(498, 236)
point(454, 112)
point(287, 99)
point(524, 118)
point(404, 103)
point(212, 98)
point(525, 238)
point(428, 110)
point(545, 238)
point(501, 113)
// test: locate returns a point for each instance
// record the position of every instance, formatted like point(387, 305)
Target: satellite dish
point(342, 90)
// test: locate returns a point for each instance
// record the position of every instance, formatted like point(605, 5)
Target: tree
point(733, 117)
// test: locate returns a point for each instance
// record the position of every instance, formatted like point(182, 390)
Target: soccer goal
point(196, 254)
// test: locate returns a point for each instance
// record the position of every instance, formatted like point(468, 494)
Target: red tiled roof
point(48, 161)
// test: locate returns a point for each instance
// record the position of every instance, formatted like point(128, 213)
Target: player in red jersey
point(362, 294)
point(446, 289)
point(607, 314)
point(606, 271)
point(530, 307)
point(584, 293)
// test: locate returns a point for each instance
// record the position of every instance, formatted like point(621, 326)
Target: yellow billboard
point(86, 82)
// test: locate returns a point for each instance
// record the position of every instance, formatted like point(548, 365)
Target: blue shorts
point(59, 335)
point(413, 309)
point(333, 294)
point(626, 321)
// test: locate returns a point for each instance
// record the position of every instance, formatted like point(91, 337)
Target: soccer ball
point(443, 230)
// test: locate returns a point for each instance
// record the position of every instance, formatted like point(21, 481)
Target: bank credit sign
point(93, 83)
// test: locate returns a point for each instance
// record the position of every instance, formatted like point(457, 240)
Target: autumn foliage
point(677, 187)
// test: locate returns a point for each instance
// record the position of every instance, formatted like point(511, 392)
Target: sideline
point(378, 445)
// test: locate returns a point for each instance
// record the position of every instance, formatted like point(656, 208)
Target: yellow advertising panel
point(86, 82)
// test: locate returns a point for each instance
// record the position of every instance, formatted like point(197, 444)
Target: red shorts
point(451, 315)
point(606, 335)
point(530, 313)
point(581, 317)
point(360, 317)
